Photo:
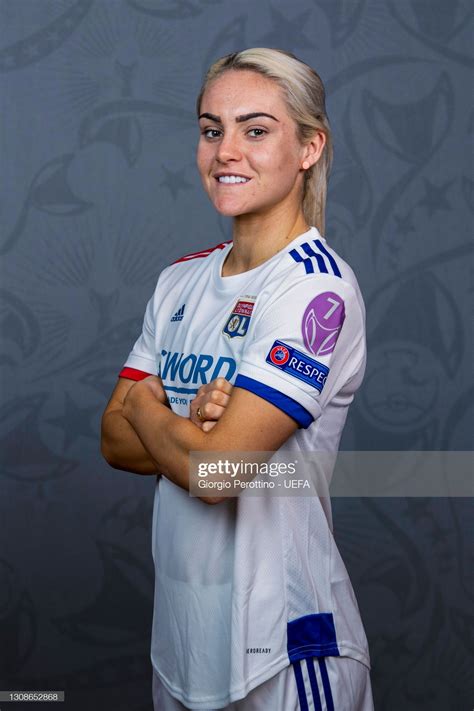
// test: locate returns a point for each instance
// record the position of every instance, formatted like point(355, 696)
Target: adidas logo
point(178, 316)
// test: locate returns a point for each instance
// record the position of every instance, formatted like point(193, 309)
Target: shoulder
point(310, 266)
point(189, 264)
point(313, 256)
point(202, 254)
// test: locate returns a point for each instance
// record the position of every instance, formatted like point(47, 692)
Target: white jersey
point(246, 587)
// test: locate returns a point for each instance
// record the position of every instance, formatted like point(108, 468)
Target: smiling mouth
point(237, 180)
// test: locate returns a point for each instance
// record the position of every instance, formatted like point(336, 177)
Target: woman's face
point(264, 149)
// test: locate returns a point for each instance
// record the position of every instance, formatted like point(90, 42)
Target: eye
point(213, 131)
point(260, 131)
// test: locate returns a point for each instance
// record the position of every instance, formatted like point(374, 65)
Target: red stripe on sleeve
point(202, 253)
point(133, 374)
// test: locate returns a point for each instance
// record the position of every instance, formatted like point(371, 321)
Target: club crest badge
point(238, 322)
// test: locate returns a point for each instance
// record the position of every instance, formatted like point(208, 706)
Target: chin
point(230, 211)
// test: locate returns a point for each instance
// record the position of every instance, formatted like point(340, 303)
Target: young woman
point(252, 345)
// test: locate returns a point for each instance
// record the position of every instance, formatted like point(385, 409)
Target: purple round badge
point(322, 321)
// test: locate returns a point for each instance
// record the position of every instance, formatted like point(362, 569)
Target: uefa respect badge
point(322, 323)
point(297, 364)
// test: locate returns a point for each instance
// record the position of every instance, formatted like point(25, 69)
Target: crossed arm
point(139, 429)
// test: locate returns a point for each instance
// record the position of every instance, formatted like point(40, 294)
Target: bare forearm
point(167, 437)
point(122, 447)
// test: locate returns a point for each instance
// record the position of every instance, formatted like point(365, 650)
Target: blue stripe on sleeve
point(320, 260)
point(308, 264)
point(332, 261)
point(283, 402)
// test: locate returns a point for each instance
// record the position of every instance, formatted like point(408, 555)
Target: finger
point(195, 419)
point(208, 425)
point(221, 384)
point(199, 401)
point(202, 389)
point(211, 411)
point(156, 388)
point(195, 405)
point(217, 397)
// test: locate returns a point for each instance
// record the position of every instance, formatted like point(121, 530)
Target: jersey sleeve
point(142, 359)
point(306, 346)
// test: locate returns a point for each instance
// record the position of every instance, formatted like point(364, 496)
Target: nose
point(228, 148)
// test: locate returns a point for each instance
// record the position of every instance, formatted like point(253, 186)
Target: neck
point(256, 238)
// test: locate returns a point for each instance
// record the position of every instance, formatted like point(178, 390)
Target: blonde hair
point(305, 98)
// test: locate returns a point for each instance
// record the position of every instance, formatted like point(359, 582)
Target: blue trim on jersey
point(282, 401)
point(314, 684)
point(312, 636)
point(300, 687)
point(320, 260)
point(190, 391)
point(308, 264)
point(332, 261)
point(326, 685)
point(315, 258)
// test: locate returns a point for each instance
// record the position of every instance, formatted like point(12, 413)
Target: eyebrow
point(238, 119)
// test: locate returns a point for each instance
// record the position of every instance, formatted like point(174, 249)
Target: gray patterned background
point(99, 191)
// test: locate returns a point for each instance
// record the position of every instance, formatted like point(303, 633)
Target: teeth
point(233, 179)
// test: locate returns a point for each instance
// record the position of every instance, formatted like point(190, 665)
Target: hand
point(152, 385)
point(212, 399)
point(155, 384)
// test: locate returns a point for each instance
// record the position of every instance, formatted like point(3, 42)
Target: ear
point(313, 149)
